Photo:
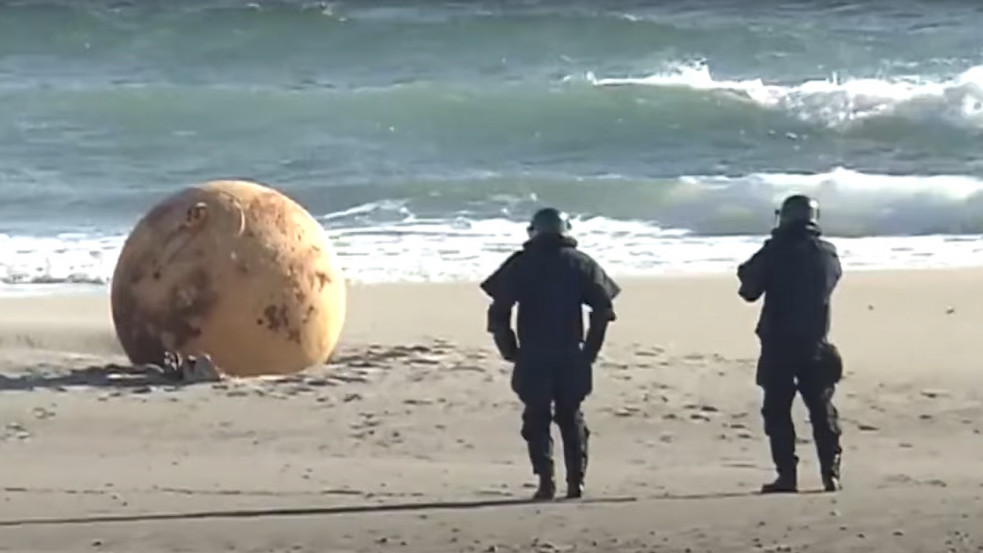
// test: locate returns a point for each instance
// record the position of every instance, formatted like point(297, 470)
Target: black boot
point(831, 483)
point(546, 490)
point(831, 474)
point(541, 456)
point(576, 465)
point(782, 442)
point(575, 489)
point(787, 482)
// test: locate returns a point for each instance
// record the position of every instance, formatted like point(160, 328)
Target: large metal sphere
point(233, 269)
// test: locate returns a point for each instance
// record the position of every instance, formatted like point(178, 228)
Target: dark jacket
point(796, 271)
point(550, 280)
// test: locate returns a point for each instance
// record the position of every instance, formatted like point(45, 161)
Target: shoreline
point(437, 258)
point(35, 290)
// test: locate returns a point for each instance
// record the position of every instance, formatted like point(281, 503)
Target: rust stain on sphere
point(233, 269)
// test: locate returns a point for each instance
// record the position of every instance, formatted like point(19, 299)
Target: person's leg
point(776, 376)
point(817, 394)
point(575, 434)
point(777, 413)
point(536, 420)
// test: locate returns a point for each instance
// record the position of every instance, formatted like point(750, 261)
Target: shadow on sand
point(370, 509)
point(309, 511)
point(105, 376)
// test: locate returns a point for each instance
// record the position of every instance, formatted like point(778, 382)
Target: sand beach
point(408, 440)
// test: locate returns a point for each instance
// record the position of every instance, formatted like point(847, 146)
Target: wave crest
point(695, 223)
point(835, 102)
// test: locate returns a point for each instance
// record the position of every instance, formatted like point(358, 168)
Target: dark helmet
point(798, 208)
point(549, 221)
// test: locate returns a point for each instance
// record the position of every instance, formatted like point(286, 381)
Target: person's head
point(797, 209)
point(549, 221)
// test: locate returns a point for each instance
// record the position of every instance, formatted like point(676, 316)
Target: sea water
point(424, 134)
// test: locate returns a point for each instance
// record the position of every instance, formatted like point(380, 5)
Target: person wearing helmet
point(550, 280)
point(796, 271)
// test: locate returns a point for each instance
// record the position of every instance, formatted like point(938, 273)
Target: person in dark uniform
point(796, 271)
point(551, 280)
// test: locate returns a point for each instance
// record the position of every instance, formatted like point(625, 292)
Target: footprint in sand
point(42, 413)
point(627, 411)
point(703, 412)
point(418, 401)
point(350, 378)
point(15, 431)
point(426, 360)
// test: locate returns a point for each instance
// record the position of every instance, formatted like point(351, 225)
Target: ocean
point(424, 134)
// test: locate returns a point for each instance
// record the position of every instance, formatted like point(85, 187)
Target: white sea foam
point(430, 251)
point(867, 216)
point(837, 102)
point(440, 250)
point(854, 203)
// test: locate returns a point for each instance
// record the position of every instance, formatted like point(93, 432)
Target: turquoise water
point(424, 134)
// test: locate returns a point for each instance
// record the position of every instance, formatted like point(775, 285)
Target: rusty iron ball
point(233, 269)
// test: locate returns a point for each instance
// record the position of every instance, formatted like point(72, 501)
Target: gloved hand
point(505, 341)
point(595, 340)
point(590, 353)
point(598, 328)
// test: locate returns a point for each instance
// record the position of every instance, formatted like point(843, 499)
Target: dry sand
point(409, 440)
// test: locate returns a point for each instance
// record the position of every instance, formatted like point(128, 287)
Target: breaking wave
point(835, 102)
point(696, 223)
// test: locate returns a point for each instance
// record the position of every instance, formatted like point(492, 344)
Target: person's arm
point(601, 291)
point(753, 275)
point(833, 268)
point(500, 327)
point(502, 287)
